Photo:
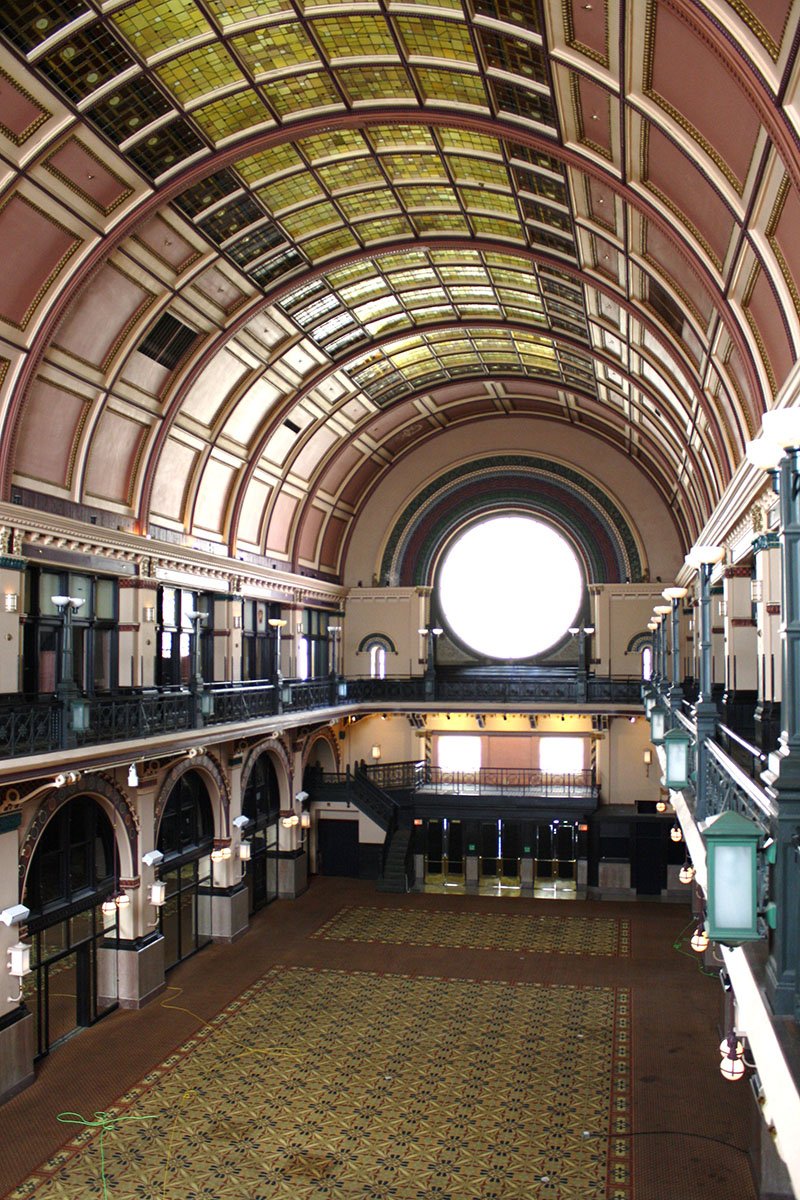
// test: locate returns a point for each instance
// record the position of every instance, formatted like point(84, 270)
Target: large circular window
point(510, 587)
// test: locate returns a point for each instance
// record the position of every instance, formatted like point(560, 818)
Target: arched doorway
point(261, 805)
point(185, 838)
point(74, 869)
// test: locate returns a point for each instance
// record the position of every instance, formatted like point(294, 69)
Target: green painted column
point(783, 967)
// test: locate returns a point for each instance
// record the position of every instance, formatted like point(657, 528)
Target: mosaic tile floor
point(319, 1084)
point(540, 934)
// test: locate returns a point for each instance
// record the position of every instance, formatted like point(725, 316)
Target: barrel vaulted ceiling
point(254, 252)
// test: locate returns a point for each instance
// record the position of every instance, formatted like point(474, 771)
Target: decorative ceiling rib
point(258, 249)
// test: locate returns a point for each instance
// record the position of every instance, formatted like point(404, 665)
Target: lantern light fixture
point(676, 744)
point(700, 939)
point(731, 855)
point(19, 965)
point(676, 833)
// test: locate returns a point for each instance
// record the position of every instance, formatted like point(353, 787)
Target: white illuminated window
point(459, 753)
point(561, 755)
point(377, 661)
point(302, 658)
point(510, 587)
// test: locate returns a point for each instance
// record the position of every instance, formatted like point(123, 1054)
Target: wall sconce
point(66, 777)
point(648, 757)
point(245, 852)
point(133, 776)
point(112, 904)
point(158, 893)
point(10, 602)
point(290, 821)
point(149, 614)
point(305, 820)
point(376, 752)
point(19, 965)
point(216, 854)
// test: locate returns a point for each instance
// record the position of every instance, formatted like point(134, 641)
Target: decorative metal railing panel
point(397, 776)
point(29, 728)
point(315, 693)
point(245, 703)
point(384, 691)
point(119, 718)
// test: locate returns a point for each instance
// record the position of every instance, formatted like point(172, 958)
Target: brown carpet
point(680, 1149)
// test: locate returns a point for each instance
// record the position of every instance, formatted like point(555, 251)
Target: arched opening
point(261, 804)
point(74, 869)
point(185, 838)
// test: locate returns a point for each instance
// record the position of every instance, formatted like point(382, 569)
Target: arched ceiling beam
point(248, 145)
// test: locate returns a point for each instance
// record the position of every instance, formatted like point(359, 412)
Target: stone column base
point(292, 874)
point(526, 876)
point(16, 1052)
point(131, 973)
point(230, 916)
point(419, 872)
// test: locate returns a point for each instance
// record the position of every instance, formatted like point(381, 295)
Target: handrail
point(758, 795)
point(748, 746)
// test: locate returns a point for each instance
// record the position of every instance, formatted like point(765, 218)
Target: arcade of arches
point(296, 296)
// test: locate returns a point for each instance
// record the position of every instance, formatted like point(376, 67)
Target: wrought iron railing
point(505, 781)
point(729, 788)
point(29, 727)
point(242, 702)
point(120, 718)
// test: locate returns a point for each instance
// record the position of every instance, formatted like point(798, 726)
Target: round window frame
point(580, 616)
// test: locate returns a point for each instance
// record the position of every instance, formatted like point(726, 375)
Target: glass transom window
point(510, 587)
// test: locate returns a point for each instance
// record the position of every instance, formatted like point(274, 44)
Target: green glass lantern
point(731, 858)
point(658, 724)
point(676, 747)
